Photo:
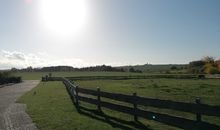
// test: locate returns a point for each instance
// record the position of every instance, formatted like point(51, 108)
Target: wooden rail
point(180, 106)
point(198, 109)
point(175, 76)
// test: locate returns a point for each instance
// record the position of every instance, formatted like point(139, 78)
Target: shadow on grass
point(113, 121)
point(132, 125)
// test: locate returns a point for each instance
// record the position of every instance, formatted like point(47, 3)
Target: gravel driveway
point(13, 115)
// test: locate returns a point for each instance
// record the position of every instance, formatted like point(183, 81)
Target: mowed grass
point(38, 75)
point(51, 107)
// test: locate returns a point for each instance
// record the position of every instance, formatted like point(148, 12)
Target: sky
point(41, 33)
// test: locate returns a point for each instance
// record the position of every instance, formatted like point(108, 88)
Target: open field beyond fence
point(180, 122)
point(175, 90)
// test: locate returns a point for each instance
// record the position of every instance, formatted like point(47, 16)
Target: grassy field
point(182, 90)
point(51, 107)
point(38, 75)
point(185, 90)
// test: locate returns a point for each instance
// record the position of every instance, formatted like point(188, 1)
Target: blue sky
point(116, 32)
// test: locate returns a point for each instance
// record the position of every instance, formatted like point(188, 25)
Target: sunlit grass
point(51, 108)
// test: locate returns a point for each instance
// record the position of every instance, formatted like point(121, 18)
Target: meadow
point(38, 75)
point(51, 108)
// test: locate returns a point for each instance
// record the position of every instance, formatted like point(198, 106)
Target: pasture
point(38, 75)
point(51, 107)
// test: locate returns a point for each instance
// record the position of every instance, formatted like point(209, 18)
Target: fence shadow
point(113, 121)
point(179, 122)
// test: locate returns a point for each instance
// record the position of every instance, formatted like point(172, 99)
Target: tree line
point(207, 65)
point(69, 68)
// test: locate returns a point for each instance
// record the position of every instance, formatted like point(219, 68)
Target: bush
point(211, 69)
point(5, 80)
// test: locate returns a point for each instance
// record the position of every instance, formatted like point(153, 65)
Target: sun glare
point(63, 17)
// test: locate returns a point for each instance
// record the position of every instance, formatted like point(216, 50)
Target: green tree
point(196, 66)
point(131, 69)
point(173, 67)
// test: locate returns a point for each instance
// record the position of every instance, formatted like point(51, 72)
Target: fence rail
point(198, 109)
point(176, 76)
point(179, 106)
point(183, 76)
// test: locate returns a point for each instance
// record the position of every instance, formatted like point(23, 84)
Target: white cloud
point(21, 60)
point(13, 55)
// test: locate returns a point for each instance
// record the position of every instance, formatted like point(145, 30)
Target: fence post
point(135, 106)
point(71, 89)
point(198, 115)
point(76, 97)
point(99, 99)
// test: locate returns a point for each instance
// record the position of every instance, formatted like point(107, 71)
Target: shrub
point(6, 78)
point(211, 69)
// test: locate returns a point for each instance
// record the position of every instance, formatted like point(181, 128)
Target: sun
point(63, 17)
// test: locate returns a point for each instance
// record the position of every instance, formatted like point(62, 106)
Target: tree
point(207, 65)
point(196, 66)
point(211, 66)
point(208, 59)
point(134, 71)
point(29, 69)
point(173, 67)
point(218, 64)
point(131, 69)
point(211, 69)
point(14, 70)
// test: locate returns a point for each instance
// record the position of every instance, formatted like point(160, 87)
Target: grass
point(52, 109)
point(185, 90)
point(38, 75)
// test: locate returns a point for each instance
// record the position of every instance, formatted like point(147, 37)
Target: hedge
point(5, 80)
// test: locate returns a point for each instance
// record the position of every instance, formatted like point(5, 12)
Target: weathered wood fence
point(198, 109)
point(175, 76)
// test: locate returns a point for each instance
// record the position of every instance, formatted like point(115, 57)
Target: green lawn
point(52, 109)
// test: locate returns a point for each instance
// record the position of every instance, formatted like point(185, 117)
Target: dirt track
point(13, 115)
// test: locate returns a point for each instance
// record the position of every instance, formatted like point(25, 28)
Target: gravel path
point(13, 115)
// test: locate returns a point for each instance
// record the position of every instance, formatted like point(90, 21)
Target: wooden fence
point(198, 109)
point(175, 76)
point(171, 76)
